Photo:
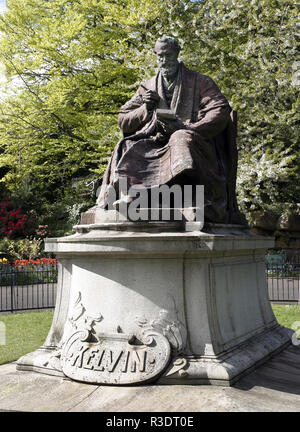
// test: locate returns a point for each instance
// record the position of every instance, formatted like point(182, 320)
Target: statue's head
point(167, 50)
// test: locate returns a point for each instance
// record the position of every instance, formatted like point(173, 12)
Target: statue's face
point(166, 59)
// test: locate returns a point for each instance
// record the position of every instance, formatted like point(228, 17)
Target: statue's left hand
point(169, 125)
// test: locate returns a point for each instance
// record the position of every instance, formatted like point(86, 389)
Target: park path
point(274, 386)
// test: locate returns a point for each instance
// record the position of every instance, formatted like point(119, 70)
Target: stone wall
point(284, 227)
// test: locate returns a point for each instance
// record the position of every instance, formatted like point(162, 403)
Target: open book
point(166, 113)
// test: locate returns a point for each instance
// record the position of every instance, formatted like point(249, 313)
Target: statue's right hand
point(150, 98)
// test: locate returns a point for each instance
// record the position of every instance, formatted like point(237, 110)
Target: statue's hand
point(169, 126)
point(150, 98)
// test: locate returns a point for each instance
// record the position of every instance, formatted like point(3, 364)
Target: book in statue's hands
point(166, 113)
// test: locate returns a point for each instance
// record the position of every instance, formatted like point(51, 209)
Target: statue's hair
point(172, 42)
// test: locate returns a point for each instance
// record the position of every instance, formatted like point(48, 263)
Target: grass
point(25, 332)
point(287, 314)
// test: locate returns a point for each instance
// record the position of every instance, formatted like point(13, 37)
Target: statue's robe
point(202, 153)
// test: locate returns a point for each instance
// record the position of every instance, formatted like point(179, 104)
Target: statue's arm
point(134, 114)
point(213, 109)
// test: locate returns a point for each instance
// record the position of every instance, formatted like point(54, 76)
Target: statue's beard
point(170, 71)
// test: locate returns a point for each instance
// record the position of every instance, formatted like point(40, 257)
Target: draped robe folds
point(202, 153)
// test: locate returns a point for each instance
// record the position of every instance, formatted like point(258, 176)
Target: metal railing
point(33, 286)
point(27, 287)
point(283, 276)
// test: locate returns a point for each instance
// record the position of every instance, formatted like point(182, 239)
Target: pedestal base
point(169, 306)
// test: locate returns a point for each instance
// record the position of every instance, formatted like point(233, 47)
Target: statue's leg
point(181, 157)
point(194, 161)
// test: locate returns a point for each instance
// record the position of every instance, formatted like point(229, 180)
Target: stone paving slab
point(275, 386)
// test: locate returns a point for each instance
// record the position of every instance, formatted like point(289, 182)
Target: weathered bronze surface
point(178, 129)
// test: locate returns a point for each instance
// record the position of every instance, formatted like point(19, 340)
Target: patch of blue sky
point(2, 6)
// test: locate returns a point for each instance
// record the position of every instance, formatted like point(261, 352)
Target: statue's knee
point(180, 135)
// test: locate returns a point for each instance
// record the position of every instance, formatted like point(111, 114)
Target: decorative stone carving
point(178, 367)
point(115, 358)
point(78, 320)
point(170, 329)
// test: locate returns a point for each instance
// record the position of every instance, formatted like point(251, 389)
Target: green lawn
point(25, 332)
point(287, 314)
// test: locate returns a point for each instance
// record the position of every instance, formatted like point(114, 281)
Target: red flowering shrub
point(42, 231)
point(14, 223)
point(39, 261)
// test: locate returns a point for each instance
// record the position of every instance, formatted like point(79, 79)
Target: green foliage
point(63, 211)
point(21, 249)
point(250, 49)
point(70, 65)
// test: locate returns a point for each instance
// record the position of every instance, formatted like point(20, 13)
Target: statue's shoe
point(126, 199)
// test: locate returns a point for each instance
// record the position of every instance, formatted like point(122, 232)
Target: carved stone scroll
point(115, 358)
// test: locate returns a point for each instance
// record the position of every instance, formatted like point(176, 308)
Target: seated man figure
point(178, 129)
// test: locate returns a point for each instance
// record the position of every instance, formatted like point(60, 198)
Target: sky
point(2, 6)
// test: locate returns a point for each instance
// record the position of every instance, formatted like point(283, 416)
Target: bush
point(14, 223)
point(22, 249)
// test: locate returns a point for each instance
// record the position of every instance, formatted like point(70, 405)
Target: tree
point(71, 65)
point(250, 48)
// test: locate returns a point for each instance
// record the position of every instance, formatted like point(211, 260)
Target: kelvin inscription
point(115, 358)
point(103, 360)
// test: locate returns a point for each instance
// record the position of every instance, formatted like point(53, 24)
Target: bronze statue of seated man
point(178, 128)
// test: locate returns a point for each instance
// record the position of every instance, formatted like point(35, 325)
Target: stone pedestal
point(156, 303)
